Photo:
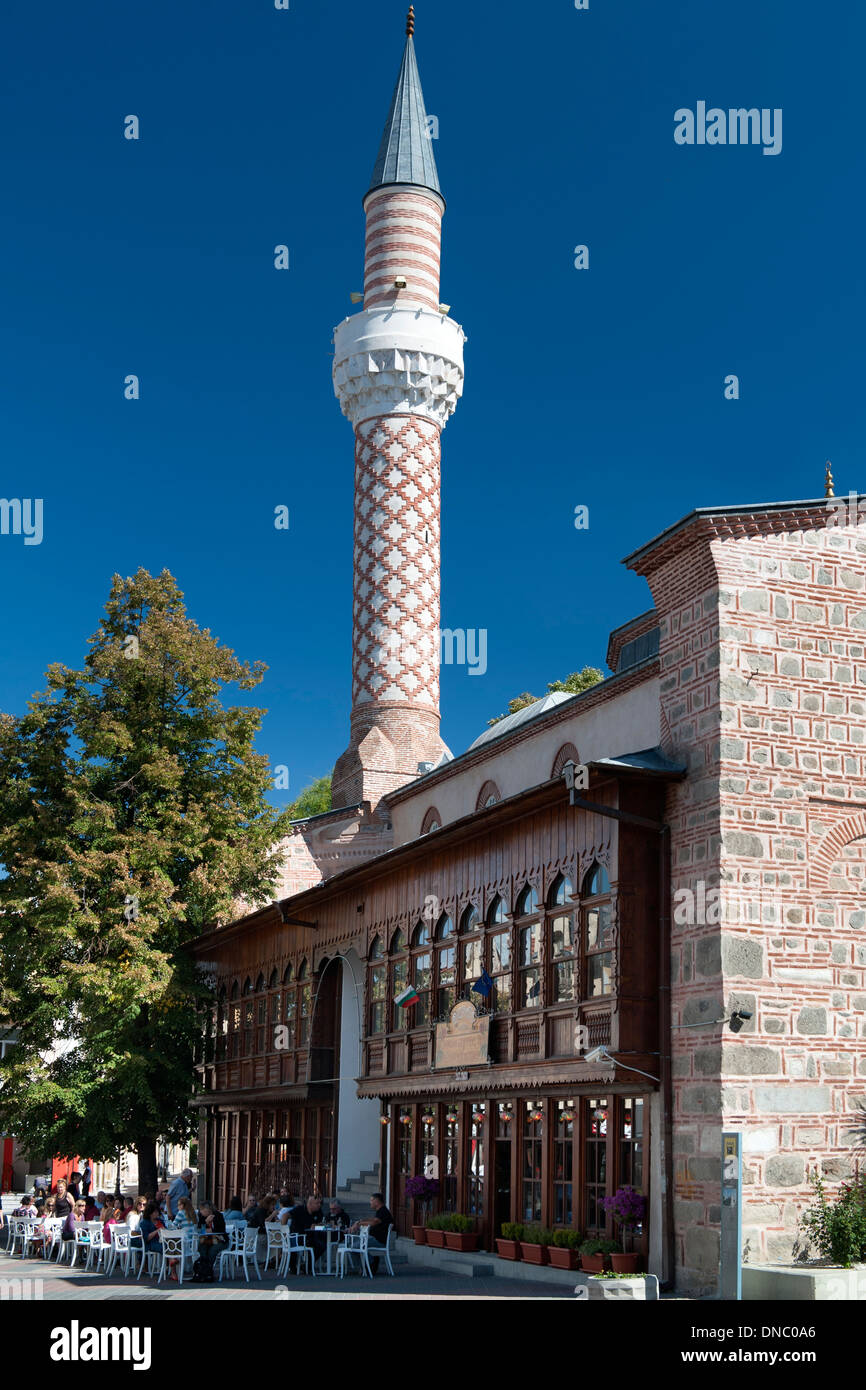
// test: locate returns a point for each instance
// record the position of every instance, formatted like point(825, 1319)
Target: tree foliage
point(574, 684)
point(314, 800)
point(133, 811)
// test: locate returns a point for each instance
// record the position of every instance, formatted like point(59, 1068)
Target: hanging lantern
point(428, 1118)
point(452, 1117)
point(478, 1117)
point(405, 1119)
point(384, 1120)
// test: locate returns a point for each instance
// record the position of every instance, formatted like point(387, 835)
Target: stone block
point(708, 956)
point(785, 1170)
point(750, 1059)
point(812, 1020)
point(792, 1100)
point(702, 1249)
point(742, 955)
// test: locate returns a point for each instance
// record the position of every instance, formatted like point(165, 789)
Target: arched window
point(400, 1016)
point(305, 1005)
point(472, 954)
point(274, 987)
point(561, 943)
point(488, 796)
point(567, 754)
point(261, 1014)
point(422, 974)
point(432, 820)
point(234, 1049)
point(527, 902)
point(378, 986)
point(290, 1008)
point(597, 913)
point(446, 966)
point(500, 956)
point(247, 1019)
point(497, 912)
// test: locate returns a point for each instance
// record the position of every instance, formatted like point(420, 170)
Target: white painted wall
point(358, 1128)
point(625, 723)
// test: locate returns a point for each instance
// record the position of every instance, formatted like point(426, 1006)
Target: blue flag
point(484, 985)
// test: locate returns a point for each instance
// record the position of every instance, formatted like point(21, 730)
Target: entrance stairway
point(356, 1194)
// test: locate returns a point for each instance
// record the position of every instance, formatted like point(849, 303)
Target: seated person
point(258, 1215)
point(149, 1227)
point(235, 1211)
point(26, 1208)
point(302, 1218)
point(379, 1226)
point(213, 1236)
point(338, 1216)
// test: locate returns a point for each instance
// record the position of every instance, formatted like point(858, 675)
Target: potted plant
point(534, 1244)
point(593, 1254)
point(436, 1226)
point(628, 1209)
point(461, 1234)
point(422, 1190)
point(562, 1251)
point(508, 1244)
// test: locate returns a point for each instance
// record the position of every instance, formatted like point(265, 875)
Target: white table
point(334, 1234)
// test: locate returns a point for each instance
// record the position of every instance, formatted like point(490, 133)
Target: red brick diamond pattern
point(396, 617)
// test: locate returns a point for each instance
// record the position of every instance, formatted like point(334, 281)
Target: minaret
point(398, 373)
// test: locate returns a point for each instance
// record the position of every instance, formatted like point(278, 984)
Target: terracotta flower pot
point(533, 1254)
point(625, 1264)
point(562, 1257)
point(592, 1264)
point(436, 1239)
point(507, 1249)
point(464, 1241)
point(420, 1235)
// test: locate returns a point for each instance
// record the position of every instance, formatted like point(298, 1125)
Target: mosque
point(617, 925)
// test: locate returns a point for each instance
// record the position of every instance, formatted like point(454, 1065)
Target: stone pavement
point(36, 1280)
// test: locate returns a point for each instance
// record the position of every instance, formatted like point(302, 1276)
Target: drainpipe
point(664, 1017)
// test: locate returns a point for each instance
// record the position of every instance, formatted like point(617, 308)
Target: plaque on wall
point(462, 1041)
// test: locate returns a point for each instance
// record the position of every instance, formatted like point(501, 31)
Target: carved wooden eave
point(500, 1082)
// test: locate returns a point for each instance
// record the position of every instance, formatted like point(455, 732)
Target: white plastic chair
point(380, 1252)
point(36, 1237)
point(151, 1256)
point(81, 1241)
point(22, 1228)
point(295, 1245)
point(275, 1244)
point(354, 1246)
point(180, 1246)
point(118, 1250)
point(244, 1247)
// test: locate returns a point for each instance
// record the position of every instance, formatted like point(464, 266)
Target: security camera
point(738, 1018)
point(400, 282)
point(597, 1054)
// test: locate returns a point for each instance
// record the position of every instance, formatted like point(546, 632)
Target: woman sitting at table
point(110, 1215)
point(186, 1219)
point(149, 1227)
point(212, 1227)
point(73, 1221)
point(234, 1211)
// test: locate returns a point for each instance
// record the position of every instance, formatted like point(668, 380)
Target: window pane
point(500, 953)
point(599, 974)
point(563, 980)
point(472, 961)
point(531, 988)
point(423, 972)
point(530, 944)
point(591, 928)
point(562, 936)
point(502, 994)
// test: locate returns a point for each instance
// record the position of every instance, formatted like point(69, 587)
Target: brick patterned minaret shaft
point(398, 373)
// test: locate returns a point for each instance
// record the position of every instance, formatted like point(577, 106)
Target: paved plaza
point(51, 1282)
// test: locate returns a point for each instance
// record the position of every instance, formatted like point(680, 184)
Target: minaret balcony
point(398, 360)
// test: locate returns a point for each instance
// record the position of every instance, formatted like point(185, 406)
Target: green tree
point(574, 684)
point(313, 800)
point(133, 811)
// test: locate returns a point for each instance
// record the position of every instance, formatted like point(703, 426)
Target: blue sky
point(602, 387)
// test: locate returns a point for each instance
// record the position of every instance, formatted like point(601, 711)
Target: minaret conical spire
point(406, 151)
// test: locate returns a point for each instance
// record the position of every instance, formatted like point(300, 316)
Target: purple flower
point(626, 1206)
point(422, 1189)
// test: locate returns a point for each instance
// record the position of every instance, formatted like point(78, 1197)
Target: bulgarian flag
point(407, 996)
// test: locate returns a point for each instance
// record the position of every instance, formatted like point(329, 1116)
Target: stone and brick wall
point(763, 690)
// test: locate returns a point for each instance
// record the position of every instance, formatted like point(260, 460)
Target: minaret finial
point(410, 22)
point(828, 480)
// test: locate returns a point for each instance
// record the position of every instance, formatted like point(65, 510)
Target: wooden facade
point(556, 907)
